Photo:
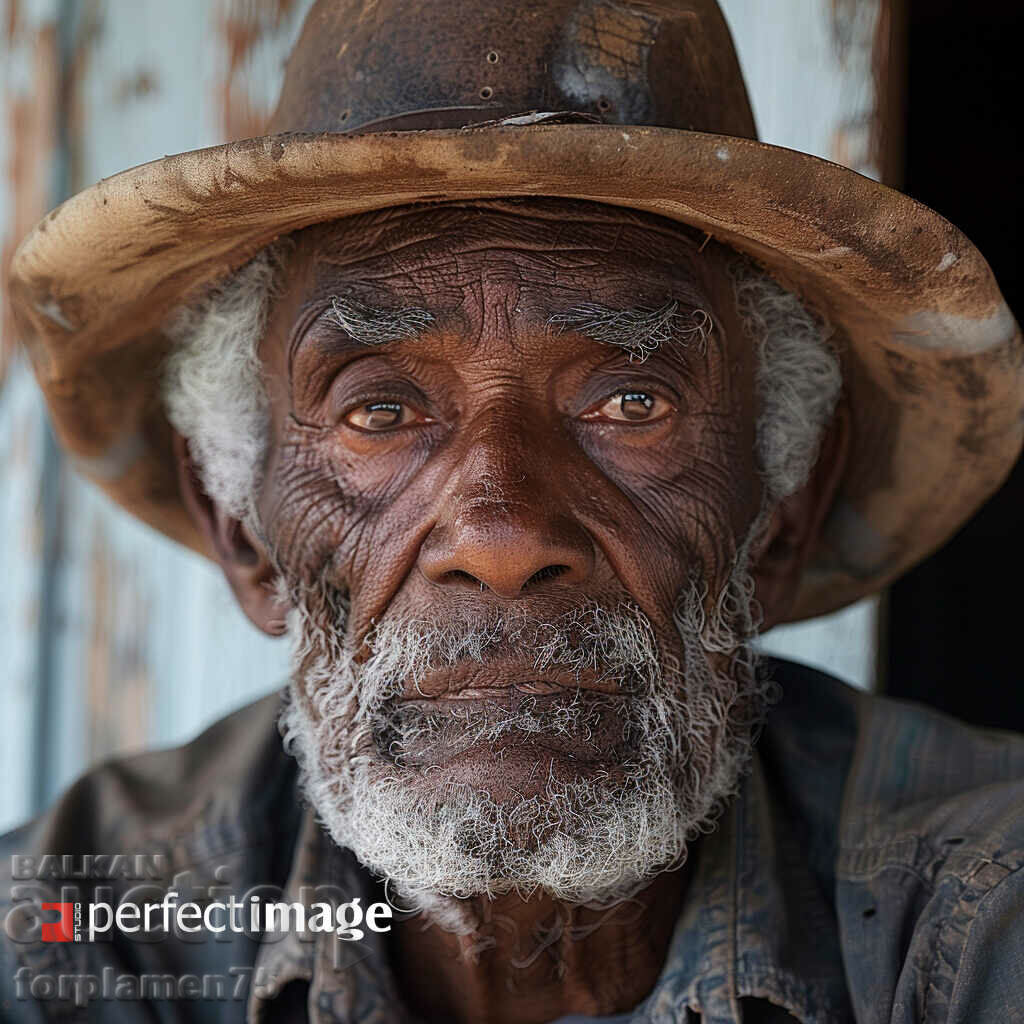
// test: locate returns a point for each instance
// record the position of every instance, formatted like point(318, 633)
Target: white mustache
point(593, 641)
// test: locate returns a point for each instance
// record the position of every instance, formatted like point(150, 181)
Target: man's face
point(493, 458)
point(512, 465)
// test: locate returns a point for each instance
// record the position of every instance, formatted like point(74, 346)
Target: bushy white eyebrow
point(641, 330)
point(368, 325)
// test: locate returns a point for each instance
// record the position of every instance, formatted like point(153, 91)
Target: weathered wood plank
point(810, 70)
point(150, 645)
point(28, 155)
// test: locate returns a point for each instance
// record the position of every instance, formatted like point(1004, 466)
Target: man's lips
point(518, 730)
point(499, 679)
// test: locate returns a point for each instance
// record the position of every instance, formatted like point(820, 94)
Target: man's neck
point(533, 961)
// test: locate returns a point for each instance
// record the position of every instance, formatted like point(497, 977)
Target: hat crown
point(384, 65)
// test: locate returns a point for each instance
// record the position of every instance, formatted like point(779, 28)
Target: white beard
point(594, 839)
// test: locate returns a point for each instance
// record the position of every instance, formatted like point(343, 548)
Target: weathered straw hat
point(632, 102)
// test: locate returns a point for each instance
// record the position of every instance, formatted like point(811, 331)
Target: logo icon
point(61, 930)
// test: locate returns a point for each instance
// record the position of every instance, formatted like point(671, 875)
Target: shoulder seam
point(966, 922)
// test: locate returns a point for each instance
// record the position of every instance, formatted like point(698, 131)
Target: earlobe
point(241, 555)
point(790, 539)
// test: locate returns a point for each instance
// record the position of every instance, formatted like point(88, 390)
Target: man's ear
point(792, 534)
point(241, 555)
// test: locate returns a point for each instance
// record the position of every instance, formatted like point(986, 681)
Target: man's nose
point(503, 529)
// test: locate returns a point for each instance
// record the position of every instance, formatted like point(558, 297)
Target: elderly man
point(522, 432)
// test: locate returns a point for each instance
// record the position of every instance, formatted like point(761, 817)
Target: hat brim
point(934, 374)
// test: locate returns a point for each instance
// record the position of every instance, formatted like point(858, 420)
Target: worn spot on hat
point(904, 373)
point(967, 335)
point(602, 63)
point(51, 309)
point(969, 383)
point(722, 153)
point(974, 438)
point(947, 261)
point(277, 150)
point(155, 250)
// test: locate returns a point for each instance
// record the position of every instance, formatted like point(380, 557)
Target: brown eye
point(379, 416)
point(631, 407)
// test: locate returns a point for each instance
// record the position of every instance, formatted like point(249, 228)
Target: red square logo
point(61, 930)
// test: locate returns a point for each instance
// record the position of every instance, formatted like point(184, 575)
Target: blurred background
point(114, 639)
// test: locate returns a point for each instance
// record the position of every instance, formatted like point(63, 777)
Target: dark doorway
point(955, 622)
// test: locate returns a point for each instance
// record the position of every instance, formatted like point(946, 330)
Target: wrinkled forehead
point(556, 251)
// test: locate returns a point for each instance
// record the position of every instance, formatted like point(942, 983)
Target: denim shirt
point(869, 870)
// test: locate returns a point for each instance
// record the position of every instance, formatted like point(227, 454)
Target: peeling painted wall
point(29, 85)
point(116, 639)
point(29, 63)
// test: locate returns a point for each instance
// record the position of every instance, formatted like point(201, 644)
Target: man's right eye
point(377, 416)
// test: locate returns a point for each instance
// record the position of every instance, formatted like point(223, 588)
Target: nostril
point(549, 572)
point(460, 576)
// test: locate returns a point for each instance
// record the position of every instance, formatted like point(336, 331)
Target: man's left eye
point(630, 407)
point(376, 416)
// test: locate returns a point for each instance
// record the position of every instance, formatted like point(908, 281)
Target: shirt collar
point(756, 923)
point(348, 981)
